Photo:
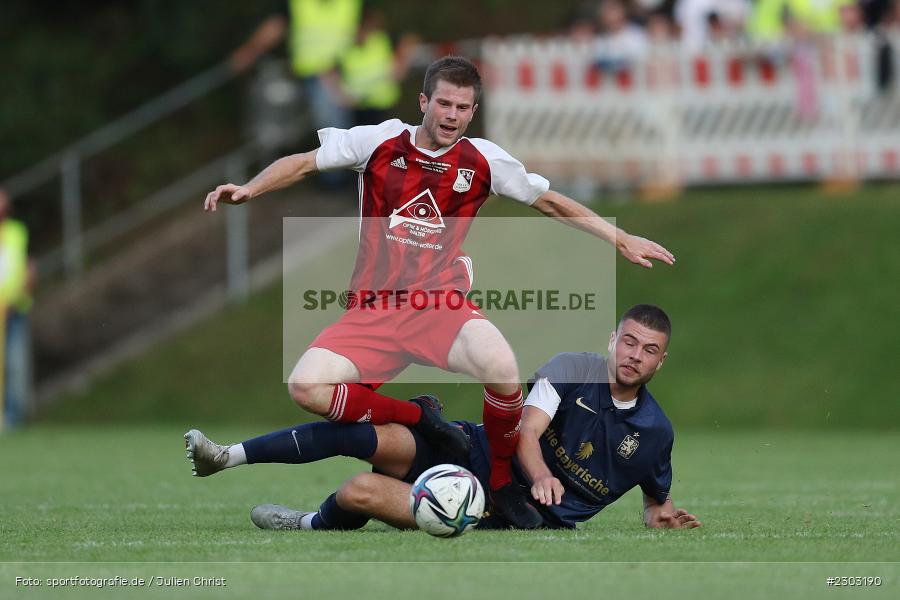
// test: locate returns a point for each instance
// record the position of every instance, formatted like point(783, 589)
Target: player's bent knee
point(308, 395)
point(358, 493)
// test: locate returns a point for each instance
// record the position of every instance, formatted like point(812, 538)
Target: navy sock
point(311, 442)
point(332, 516)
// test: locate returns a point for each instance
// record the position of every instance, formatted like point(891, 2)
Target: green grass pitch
point(781, 512)
point(780, 383)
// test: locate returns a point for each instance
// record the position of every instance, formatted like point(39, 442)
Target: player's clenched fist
point(228, 193)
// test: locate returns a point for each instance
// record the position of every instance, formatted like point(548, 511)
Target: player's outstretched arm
point(283, 172)
point(666, 516)
point(545, 488)
point(574, 214)
point(268, 34)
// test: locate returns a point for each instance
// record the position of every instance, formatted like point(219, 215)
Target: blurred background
point(757, 140)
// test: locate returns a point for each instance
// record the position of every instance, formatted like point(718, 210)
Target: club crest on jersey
point(421, 211)
point(628, 447)
point(463, 181)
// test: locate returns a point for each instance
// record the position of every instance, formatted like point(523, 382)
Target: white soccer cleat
point(277, 517)
point(206, 456)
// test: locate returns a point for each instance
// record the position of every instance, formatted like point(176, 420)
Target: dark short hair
point(457, 70)
point(650, 316)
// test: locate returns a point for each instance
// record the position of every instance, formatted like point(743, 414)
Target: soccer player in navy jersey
point(591, 431)
point(420, 187)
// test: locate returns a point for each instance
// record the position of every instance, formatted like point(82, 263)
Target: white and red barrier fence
point(735, 114)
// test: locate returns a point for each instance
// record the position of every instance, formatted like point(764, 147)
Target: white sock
point(236, 456)
point(306, 521)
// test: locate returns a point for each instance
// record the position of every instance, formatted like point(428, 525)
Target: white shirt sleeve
point(352, 148)
point(508, 176)
point(543, 396)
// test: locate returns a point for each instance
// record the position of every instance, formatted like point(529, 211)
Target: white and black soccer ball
point(447, 500)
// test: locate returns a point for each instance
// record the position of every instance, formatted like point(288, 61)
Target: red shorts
point(383, 342)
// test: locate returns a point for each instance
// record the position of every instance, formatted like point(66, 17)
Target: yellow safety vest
point(14, 265)
point(320, 31)
point(367, 71)
point(820, 16)
point(765, 22)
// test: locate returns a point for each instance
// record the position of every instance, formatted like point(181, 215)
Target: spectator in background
point(891, 18)
point(774, 20)
point(851, 18)
point(703, 21)
point(582, 23)
point(644, 11)
point(806, 26)
point(620, 42)
point(876, 12)
point(767, 21)
point(884, 18)
point(16, 285)
point(660, 28)
point(320, 31)
point(370, 71)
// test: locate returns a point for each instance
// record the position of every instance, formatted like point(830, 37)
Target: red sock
point(355, 403)
point(502, 416)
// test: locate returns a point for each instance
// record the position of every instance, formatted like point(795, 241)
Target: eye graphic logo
point(421, 210)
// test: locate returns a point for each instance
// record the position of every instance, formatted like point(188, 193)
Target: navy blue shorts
point(428, 456)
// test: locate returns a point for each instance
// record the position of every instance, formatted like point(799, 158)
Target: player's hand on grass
point(640, 250)
point(547, 490)
point(228, 193)
point(677, 519)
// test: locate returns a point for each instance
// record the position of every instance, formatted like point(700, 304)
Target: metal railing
point(67, 165)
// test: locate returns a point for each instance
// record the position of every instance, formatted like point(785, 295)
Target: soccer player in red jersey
point(420, 187)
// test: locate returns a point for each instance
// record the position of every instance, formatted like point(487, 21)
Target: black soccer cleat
point(510, 504)
point(432, 402)
point(437, 431)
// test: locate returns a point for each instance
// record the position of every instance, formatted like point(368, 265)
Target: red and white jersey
point(417, 205)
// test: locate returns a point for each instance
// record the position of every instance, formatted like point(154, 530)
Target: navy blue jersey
point(599, 452)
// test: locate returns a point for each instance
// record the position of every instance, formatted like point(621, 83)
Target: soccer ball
point(446, 500)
